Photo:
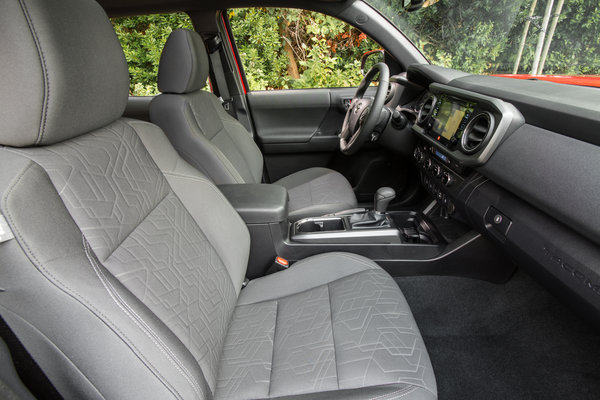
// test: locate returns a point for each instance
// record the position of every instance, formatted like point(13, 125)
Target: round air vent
point(426, 109)
point(476, 131)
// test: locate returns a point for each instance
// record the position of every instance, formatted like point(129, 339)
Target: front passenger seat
point(217, 144)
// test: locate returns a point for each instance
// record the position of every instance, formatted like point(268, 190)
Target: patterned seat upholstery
point(124, 277)
point(348, 328)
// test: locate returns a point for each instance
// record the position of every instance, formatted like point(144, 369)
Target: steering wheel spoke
point(363, 115)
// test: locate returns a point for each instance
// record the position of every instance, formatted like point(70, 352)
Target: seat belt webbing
point(214, 46)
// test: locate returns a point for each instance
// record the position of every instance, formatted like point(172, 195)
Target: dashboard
point(518, 162)
point(465, 126)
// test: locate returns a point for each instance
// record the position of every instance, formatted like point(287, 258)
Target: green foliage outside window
point(290, 48)
point(143, 38)
point(293, 49)
point(483, 36)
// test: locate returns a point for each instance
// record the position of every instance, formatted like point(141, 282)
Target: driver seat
point(217, 144)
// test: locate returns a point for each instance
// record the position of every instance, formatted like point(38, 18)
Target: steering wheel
point(363, 115)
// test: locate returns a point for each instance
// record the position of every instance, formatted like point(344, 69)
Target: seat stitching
point(190, 79)
point(314, 287)
point(345, 255)
point(141, 320)
point(232, 135)
point(158, 203)
point(273, 351)
point(337, 377)
point(46, 95)
point(72, 292)
point(224, 160)
point(127, 310)
point(407, 392)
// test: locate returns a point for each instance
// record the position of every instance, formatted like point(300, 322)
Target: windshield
point(533, 37)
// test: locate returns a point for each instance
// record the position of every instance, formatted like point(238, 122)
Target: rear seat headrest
point(62, 71)
point(183, 64)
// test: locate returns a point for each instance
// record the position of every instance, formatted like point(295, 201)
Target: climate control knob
point(428, 163)
point(418, 155)
point(437, 170)
point(447, 179)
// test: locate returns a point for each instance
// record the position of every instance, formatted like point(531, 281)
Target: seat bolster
point(304, 275)
point(317, 191)
point(91, 337)
point(173, 114)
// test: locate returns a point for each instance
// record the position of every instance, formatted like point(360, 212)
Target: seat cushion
point(317, 191)
point(333, 323)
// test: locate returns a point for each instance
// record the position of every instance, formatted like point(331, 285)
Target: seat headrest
point(62, 71)
point(183, 64)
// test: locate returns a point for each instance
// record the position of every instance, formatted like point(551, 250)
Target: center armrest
point(258, 203)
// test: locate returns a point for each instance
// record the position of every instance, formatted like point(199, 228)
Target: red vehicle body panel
point(593, 81)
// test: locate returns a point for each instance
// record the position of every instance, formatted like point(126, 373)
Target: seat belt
point(28, 370)
point(214, 45)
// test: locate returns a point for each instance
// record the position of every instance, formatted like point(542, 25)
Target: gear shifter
point(383, 197)
point(377, 217)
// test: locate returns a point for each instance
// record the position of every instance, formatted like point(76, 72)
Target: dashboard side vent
point(426, 109)
point(476, 131)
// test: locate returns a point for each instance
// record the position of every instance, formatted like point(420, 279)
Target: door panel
point(299, 129)
point(301, 120)
point(288, 116)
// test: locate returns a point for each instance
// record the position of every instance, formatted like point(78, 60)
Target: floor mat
point(510, 341)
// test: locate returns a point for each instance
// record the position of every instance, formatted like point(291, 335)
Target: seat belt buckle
point(279, 264)
point(226, 103)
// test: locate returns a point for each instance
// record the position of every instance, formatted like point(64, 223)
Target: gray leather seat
point(124, 276)
point(217, 144)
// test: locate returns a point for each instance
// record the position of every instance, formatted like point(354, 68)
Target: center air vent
point(426, 109)
point(476, 131)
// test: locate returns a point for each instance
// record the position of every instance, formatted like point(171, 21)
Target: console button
point(418, 155)
point(447, 179)
point(437, 170)
point(497, 221)
point(428, 163)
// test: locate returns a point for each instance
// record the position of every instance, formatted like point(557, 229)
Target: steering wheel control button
point(497, 222)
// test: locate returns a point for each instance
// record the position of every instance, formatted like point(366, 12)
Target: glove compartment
point(567, 262)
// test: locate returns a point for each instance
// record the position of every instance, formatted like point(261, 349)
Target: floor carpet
point(509, 341)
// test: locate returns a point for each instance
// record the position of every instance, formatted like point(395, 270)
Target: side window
point(284, 48)
point(143, 38)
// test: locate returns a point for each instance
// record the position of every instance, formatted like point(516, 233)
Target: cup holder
point(320, 225)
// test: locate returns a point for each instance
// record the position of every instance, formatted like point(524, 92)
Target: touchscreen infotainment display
point(450, 117)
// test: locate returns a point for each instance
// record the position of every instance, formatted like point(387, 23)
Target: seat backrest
point(194, 120)
point(126, 262)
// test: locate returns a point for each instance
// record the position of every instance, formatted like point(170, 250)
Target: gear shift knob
point(383, 197)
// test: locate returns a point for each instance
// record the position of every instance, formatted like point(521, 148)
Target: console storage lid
point(258, 203)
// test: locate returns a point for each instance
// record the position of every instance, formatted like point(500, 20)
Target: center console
point(375, 226)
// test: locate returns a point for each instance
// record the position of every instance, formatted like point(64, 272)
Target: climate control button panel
point(437, 176)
